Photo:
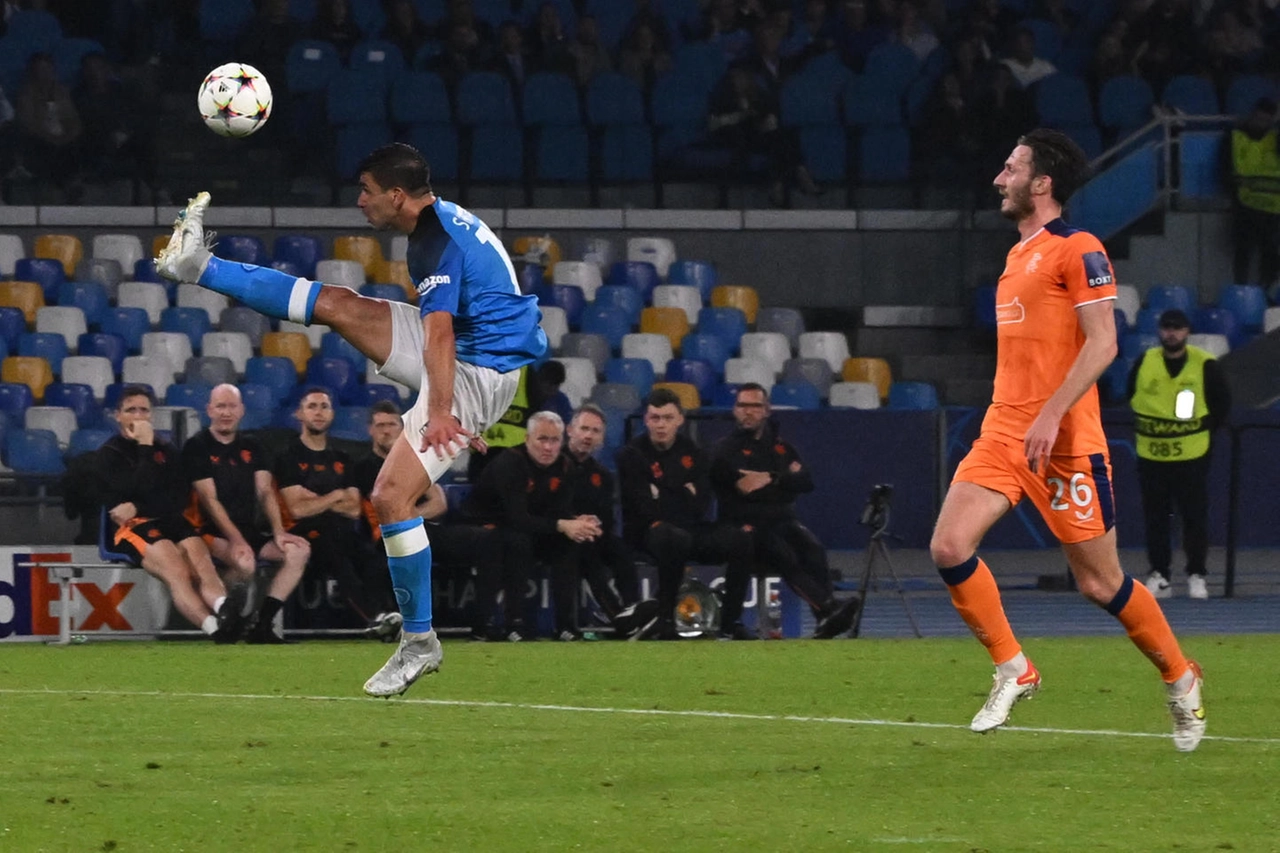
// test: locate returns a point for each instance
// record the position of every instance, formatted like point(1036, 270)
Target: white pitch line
point(638, 712)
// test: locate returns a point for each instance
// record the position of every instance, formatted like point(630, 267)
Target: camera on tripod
point(876, 513)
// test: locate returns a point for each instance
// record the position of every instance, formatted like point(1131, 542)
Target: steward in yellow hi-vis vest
point(1255, 173)
point(1178, 395)
point(510, 429)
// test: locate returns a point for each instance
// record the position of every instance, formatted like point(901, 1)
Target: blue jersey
point(458, 265)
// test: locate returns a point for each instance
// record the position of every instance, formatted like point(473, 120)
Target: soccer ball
point(234, 99)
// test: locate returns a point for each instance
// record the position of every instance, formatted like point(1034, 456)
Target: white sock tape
point(298, 300)
point(407, 543)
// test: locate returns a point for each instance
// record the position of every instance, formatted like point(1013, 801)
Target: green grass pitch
point(699, 746)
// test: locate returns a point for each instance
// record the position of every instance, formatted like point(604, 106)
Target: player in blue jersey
point(462, 347)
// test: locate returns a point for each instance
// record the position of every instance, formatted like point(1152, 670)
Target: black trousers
point(790, 549)
point(1256, 231)
point(1183, 486)
point(519, 552)
point(335, 555)
point(610, 571)
point(672, 547)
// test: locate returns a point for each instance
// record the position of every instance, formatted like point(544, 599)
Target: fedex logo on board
point(26, 593)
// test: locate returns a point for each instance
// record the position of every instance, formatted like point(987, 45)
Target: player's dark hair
point(750, 386)
point(315, 389)
point(383, 407)
point(398, 165)
point(1057, 156)
point(135, 390)
point(660, 397)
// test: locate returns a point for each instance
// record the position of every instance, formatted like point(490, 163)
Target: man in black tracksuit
point(525, 496)
point(757, 477)
point(666, 492)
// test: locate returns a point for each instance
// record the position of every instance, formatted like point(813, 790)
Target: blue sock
point(274, 293)
point(409, 558)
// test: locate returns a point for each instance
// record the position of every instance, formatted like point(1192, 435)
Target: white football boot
point(418, 655)
point(1187, 711)
point(1005, 693)
point(186, 255)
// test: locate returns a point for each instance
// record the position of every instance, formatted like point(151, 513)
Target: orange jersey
point(1038, 338)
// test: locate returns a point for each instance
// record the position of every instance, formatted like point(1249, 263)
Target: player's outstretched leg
point(186, 258)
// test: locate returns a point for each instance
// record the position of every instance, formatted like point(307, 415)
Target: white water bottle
point(771, 614)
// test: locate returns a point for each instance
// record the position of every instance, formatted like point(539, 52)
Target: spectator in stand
point(812, 34)
point(1027, 68)
point(950, 146)
point(1002, 106)
point(1057, 12)
point(119, 137)
point(665, 485)
point(549, 397)
point(914, 31)
point(405, 29)
point(764, 58)
point(726, 26)
point(464, 51)
point(648, 12)
point(49, 125)
point(1235, 43)
point(548, 44)
point(1255, 172)
point(1110, 58)
point(855, 35)
point(590, 56)
point(333, 23)
point(265, 42)
point(1165, 42)
point(642, 57)
point(512, 60)
point(990, 23)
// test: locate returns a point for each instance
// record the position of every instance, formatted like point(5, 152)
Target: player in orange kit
point(1042, 438)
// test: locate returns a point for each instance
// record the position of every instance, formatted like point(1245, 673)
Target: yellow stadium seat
point(365, 250)
point(397, 272)
point(32, 371)
point(292, 345)
point(60, 247)
point(543, 251)
point(873, 370)
point(157, 244)
point(672, 322)
point(745, 299)
point(26, 295)
point(687, 393)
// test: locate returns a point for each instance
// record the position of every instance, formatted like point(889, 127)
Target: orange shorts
point(1073, 497)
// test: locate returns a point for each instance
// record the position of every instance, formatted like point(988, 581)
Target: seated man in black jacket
point(666, 493)
point(757, 477)
point(525, 495)
point(145, 493)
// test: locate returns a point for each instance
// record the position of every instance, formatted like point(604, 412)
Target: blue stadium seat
point(192, 322)
point(1166, 296)
point(530, 277)
point(866, 104)
point(633, 371)
point(351, 423)
point(799, 395)
point(34, 452)
point(223, 21)
point(332, 372)
point(193, 394)
point(128, 324)
point(354, 142)
point(726, 395)
point(679, 118)
point(310, 65)
point(376, 56)
point(374, 392)
point(333, 345)
point(485, 104)
point(438, 142)
point(1124, 104)
point(274, 372)
point(420, 97)
point(1134, 344)
point(728, 324)
point(884, 155)
point(87, 440)
point(1245, 90)
point(1062, 100)
point(13, 323)
point(1114, 381)
point(609, 321)
point(46, 272)
point(389, 292)
point(615, 105)
point(1048, 37)
point(707, 347)
point(621, 296)
point(984, 308)
point(567, 296)
point(1213, 320)
point(642, 276)
point(699, 274)
point(36, 28)
point(105, 344)
point(301, 249)
point(257, 397)
point(1247, 301)
point(698, 373)
point(76, 397)
point(1192, 94)
point(144, 269)
point(912, 395)
point(550, 106)
point(89, 296)
point(700, 64)
point(356, 97)
point(497, 153)
point(242, 248)
point(1148, 322)
point(892, 66)
point(1200, 164)
point(15, 399)
point(50, 346)
point(69, 54)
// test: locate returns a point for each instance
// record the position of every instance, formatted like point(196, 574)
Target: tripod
point(876, 516)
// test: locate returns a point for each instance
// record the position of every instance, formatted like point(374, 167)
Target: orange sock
point(977, 598)
point(1144, 621)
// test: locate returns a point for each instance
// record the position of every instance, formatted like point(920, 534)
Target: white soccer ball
point(234, 99)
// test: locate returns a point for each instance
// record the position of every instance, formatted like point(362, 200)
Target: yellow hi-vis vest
point(1258, 159)
point(510, 430)
point(1159, 433)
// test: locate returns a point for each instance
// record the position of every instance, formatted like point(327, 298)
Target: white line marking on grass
point(637, 712)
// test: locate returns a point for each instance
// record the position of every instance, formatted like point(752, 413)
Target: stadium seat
point(699, 274)
point(45, 272)
point(242, 249)
point(681, 296)
point(233, 345)
point(1245, 90)
point(64, 248)
point(1129, 300)
point(290, 345)
point(192, 322)
point(745, 299)
point(687, 394)
point(580, 378)
point(707, 347)
point(13, 322)
point(87, 440)
point(369, 393)
point(373, 377)
point(277, 373)
point(659, 251)
point(1164, 297)
point(32, 371)
point(388, 292)
point(351, 422)
point(1247, 301)
point(50, 347)
point(873, 370)
point(34, 453)
point(1148, 321)
point(58, 420)
point(794, 395)
point(554, 324)
point(89, 296)
point(343, 273)
point(1134, 344)
point(768, 347)
point(727, 323)
point(656, 348)
point(1212, 320)
point(607, 321)
point(912, 395)
point(640, 276)
point(363, 249)
point(568, 297)
point(1192, 94)
point(581, 274)
point(854, 395)
point(105, 271)
point(212, 370)
point(637, 372)
point(671, 322)
point(616, 395)
point(148, 370)
point(174, 348)
point(530, 279)
point(300, 249)
point(696, 372)
point(195, 296)
point(314, 333)
point(336, 374)
point(124, 249)
point(149, 296)
point(26, 296)
point(66, 320)
point(194, 395)
point(831, 346)
point(11, 251)
point(559, 140)
point(787, 321)
point(96, 371)
point(15, 399)
point(175, 419)
point(1124, 104)
point(333, 345)
point(77, 397)
point(739, 371)
point(1271, 319)
point(241, 318)
point(814, 371)
point(623, 297)
point(586, 345)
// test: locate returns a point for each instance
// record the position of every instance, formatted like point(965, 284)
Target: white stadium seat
point(832, 347)
point(125, 249)
point(59, 419)
point(579, 379)
point(854, 395)
point(772, 348)
point(342, 273)
point(740, 370)
point(233, 345)
point(65, 320)
point(149, 370)
point(92, 370)
point(658, 251)
point(679, 296)
point(195, 296)
point(656, 348)
point(1218, 345)
point(147, 295)
point(174, 348)
point(555, 324)
point(583, 274)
